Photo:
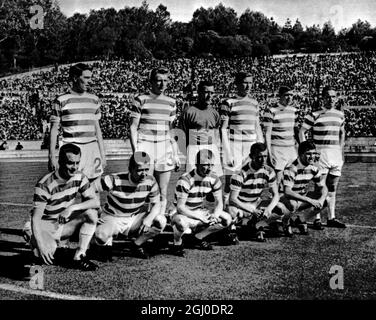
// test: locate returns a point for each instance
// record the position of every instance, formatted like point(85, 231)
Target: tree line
point(142, 33)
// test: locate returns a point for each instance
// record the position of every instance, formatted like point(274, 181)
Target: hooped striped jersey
point(194, 188)
point(297, 176)
point(126, 198)
point(155, 114)
point(250, 182)
point(326, 126)
point(59, 194)
point(243, 118)
point(283, 120)
point(78, 114)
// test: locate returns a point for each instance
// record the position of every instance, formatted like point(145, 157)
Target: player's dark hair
point(155, 71)
point(325, 90)
point(283, 89)
point(204, 154)
point(68, 148)
point(257, 148)
point(240, 76)
point(139, 157)
point(305, 146)
point(204, 83)
point(77, 69)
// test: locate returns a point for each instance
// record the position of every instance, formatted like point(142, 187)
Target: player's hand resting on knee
point(64, 215)
point(316, 203)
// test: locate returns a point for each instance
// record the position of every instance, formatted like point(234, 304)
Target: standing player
point(296, 178)
point(200, 124)
point(280, 123)
point(329, 137)
point(246, 188)
point(56, 215)
point(191, 191)
point(240, 128)
point(78, 113)
point(126, 210)
point(152, 117)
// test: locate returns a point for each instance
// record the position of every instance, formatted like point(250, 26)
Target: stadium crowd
point(113, 81)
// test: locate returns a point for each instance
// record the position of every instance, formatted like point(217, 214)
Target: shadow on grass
point(15, 267)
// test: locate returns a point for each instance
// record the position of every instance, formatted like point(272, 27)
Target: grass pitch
point(282, 268)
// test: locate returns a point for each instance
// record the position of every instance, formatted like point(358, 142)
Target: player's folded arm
point(184, 210)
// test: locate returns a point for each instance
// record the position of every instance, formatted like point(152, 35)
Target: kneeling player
point(296, 178)
point(126, 210)
point(57, 215)
point(191, 191)
point(246, 188)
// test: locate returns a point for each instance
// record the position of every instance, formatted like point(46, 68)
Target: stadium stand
point(25, 101)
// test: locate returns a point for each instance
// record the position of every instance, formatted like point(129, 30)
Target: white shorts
point(240, 151)
point(50, 232)
point(283, 156)
point(192, 151)
point(91, 160)
point(160, 153)
point(122, 224)
point(331, 161)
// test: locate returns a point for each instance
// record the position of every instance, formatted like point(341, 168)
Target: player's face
point(205, 167)
point(330, 99)
point(286, 98)
point(159, 83)
point(140, 172)
point(206, 95)
point(308, 157)
point(82, 83)
point(259, 160)
point(70, 166)
point(245, 86)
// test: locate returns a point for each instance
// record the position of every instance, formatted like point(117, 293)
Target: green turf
point(282, 268)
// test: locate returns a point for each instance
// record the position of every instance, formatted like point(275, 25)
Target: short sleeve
point(135, 107)
point(236, 182)
point(309, 121)
point(154, 196)
point(272, 178)
point(289, 176)
point(41, 194)
point(98, 113)
point(106, 183)
point(217, 186)
point(182, 189)
point(86, 190)
point(268, 117)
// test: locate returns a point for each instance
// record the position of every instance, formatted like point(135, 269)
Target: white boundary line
point(49, 294)
point(362, 227)
point(16, 204)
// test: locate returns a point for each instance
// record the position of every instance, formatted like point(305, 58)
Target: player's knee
point(91, 216)
point(331, 187)
point(179, 223)
point(160, 221)
point(226, 219)
point(102, 235)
